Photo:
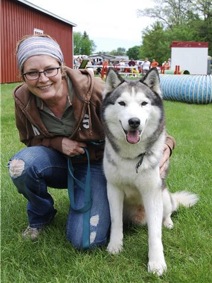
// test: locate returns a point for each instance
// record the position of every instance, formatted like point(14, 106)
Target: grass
point(53, 260)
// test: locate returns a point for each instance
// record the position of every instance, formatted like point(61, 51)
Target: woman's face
point(43, 87)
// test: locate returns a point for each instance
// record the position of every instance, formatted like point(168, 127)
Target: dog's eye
point(122, 103)
point(144, 103)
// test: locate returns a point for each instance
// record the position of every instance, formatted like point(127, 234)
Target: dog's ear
point(113, 79)
point(152, 80)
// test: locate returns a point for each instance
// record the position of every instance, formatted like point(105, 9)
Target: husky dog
point(134, 123)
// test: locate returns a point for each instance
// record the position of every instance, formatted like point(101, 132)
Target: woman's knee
point(20, 162)
point(16, 168)
point(39, 157)
point(17, 174)
point(83, 239)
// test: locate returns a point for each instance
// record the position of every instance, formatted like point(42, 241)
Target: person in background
point(89, 66)
point(122, 64)
point(58, 117)
point(166, 65)
point(154, 64)
point(145, 66)
point(77, 62)
point(104, 69)
point(131, 62)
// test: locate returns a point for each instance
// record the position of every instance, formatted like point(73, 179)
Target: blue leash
point(86, 208)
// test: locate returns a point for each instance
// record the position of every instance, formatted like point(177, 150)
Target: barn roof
point(46, 12)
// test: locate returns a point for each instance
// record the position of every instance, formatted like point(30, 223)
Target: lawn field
point(52, 259)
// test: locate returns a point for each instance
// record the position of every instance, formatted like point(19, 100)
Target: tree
point(134, 52)
point(119, 51)
point(82, 44)
point(204, 26)
point(188, 20)
point(155, 43)
point(157, 40)
point(77, 42)
point(203, 8)
point(169, 12)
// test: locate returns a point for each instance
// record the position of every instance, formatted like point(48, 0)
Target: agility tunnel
point(187, 88)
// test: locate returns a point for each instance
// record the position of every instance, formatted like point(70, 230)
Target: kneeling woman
point(57, 111)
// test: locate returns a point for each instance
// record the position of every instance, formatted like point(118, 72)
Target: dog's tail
point(183, 198)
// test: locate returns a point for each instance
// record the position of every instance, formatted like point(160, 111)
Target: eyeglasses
point(51, 72)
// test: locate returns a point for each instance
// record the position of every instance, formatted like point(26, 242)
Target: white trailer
point(190, 56)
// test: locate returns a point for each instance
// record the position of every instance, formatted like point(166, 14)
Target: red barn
point(19, 18)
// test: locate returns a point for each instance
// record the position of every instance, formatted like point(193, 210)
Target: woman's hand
point(72, 148)
point(164, 163)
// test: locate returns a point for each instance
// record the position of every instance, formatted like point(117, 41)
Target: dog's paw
point(168, 223)
point(114, 248)
point(157, 268)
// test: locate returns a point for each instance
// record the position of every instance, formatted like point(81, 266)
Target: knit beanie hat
point(38, 45)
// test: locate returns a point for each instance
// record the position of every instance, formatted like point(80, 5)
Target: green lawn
point(52, 259)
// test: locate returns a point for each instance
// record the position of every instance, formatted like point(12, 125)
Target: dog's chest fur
point(133, 175)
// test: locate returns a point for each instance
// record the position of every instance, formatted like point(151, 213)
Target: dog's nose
point(134, 122)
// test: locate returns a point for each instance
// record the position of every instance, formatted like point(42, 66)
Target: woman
point(57, 111)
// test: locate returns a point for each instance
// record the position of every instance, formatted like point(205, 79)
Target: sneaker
point(31, 233)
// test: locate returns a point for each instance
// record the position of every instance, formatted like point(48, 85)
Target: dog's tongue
point(133, 136)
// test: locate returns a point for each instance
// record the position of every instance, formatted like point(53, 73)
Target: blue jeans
point(40, 167)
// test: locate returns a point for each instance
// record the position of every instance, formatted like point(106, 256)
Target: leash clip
point(139, 162)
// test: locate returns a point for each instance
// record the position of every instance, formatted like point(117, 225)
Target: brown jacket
point(87, 99)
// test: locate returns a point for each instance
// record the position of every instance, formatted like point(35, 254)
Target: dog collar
point(140, 161)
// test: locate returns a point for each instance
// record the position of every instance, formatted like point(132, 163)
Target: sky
point(109, 23)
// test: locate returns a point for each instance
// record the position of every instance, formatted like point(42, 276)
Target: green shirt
point(63, 126)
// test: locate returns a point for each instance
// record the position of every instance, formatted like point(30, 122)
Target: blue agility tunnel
point(187, 88)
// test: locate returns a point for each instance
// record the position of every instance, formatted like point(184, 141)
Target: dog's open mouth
point(133, 136)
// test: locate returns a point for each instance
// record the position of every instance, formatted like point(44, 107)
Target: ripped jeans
point(33, 169)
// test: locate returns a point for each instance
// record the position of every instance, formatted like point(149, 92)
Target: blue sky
point(109, 23)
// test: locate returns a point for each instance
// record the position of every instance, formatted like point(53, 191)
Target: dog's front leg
point(153, 203)
point(116, 199)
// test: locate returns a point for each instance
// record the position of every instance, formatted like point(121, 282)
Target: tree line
point(175, 20)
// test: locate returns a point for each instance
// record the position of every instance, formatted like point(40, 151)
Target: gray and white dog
point(134, 123)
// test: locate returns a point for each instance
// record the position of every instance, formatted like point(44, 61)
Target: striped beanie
point(38, 45)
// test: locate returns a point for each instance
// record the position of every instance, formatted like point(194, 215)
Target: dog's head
point(132, 109)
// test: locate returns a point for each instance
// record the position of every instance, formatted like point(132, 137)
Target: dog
point(134, 123)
